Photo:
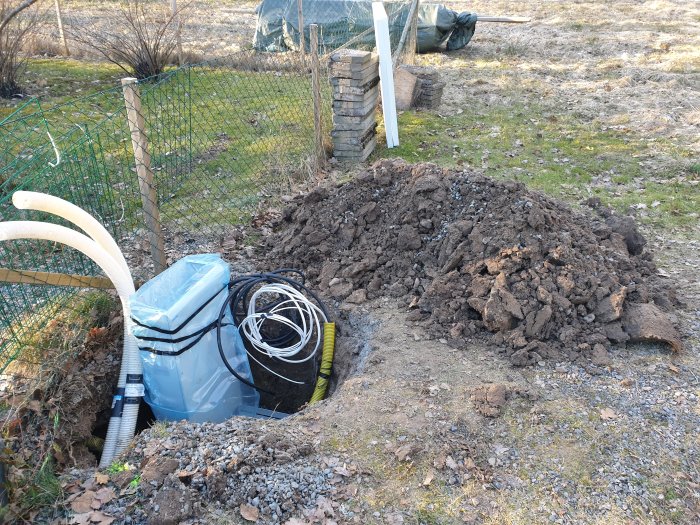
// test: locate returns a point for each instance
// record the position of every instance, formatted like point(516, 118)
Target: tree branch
point(17, 10)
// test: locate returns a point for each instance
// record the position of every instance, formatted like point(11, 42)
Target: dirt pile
point(467, 253)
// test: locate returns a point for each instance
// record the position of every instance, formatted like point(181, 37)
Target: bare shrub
point(16, 23)
point(140, 36)
point(42, 44)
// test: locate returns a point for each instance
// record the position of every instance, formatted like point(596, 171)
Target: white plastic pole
point(386, 73)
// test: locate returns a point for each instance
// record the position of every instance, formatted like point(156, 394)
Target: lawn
point(561, 156)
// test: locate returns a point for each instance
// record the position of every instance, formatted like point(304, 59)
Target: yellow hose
point(324, 374)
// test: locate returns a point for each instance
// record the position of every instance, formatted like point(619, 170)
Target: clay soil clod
point(469, 254)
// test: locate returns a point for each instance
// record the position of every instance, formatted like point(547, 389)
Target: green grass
point(219, 139)
point(60, 79)
point(42, 490)
point(117, 467)
point(134, 483)
point(215, 154)
point(559, 155)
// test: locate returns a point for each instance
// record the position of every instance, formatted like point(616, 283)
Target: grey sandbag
point(341, 20)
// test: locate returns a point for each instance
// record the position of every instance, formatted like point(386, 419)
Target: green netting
point(222, 136)
point(342, 23)
point(349, 23)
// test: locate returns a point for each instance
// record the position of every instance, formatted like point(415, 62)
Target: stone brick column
point(355, 81)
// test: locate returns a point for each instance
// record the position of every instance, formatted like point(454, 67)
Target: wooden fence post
point(178, 30)
point(302, 43)
point(412, 42)
point(319, 153)
point(407, 29)
point(61, 34)
point(149, 196)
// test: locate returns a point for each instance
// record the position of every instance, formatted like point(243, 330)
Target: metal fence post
point(149, 196)
point(319, 153)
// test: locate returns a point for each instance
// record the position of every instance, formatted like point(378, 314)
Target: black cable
point(237, 301)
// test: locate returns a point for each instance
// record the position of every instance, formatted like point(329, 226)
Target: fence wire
point(215, 141)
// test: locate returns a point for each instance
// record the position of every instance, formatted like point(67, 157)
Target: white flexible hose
point(32, 200)
point(14, 230)
point(118, 435)
point(290, 299)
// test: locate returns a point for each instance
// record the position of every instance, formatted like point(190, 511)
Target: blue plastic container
point(178, 308)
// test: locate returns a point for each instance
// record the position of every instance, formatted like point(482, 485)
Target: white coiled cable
point(290, 299)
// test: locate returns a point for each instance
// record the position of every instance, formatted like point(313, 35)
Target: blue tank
point(174, 322)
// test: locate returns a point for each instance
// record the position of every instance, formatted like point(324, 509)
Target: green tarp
point(342, 20)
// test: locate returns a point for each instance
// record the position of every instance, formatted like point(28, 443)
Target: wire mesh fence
point(170, 165)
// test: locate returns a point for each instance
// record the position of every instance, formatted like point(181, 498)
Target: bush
point(139, 36)
point(16, 23)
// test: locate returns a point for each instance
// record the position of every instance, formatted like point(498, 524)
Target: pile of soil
point(466, 253)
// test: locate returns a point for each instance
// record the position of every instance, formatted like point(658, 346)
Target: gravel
point(223, 466)
point(617, 438)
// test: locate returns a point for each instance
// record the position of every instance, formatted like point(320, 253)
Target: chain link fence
point(170, 166)
point(342, 24)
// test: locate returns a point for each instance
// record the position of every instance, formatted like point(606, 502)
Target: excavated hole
point(352, 348)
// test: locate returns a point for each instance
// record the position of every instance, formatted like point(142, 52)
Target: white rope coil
point(289, 300)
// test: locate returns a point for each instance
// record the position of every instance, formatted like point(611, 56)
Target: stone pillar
point(429, 87)
point(355, 80)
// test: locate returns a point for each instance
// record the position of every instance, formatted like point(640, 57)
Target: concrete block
point(342, 86)
point(356, 112)
point(353, 109)
point(424, 73)
point(405, 89)
point(353, 137)
point(360, 76)
point(352, 156)
point(356, 124)
point(357, 144)
point(353, 56)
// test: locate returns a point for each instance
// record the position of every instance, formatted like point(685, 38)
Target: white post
point(386, 74)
